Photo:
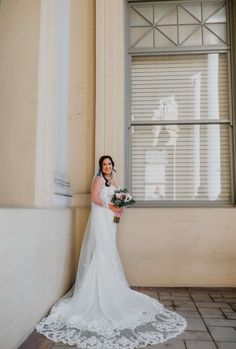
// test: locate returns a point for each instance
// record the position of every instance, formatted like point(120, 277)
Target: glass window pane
point(219, 30)
point(136, 19)
point(165, 14)
point(145, 11)
point(210, 9)
point(185, 17)
point(181, 163)
point(188, 33)
point(141, 37)
point(186, 87)
point(218, 17)
point(209, 38)
point(170, 32)
point(161, 40)
point(194, 10)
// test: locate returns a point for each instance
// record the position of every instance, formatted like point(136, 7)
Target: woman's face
point(107, 166)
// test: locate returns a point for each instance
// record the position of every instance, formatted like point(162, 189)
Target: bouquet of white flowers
point(121, 198)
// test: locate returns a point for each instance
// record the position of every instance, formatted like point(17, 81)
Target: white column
point(62, 191)
point(51, 185)
point(110, 70)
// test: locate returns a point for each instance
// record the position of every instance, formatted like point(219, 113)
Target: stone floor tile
point(177, 298)
point(182, 298)
point(223, 334)
point(195, 335)
point(201, 297)
point(200, 345)
point(229, 294)
point(170, 344)
point(170, 307)
point(231, 316)
point(152, 294)
point(62, 346)
point(184, 305)
point(215, 294)
point(224, 299)
point(164, 293)
point(212, 305)
point(56, 346)
point(220, 322)
point(211, 313)
point(225, 345)
point(180, 293)
point(189, 313)
point(35, 341)
point(196, 325)
point(169, 302)
point(227, 310)
point(166, 298)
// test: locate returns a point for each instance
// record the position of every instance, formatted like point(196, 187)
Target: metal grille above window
point(173, 24)
point(179, 124)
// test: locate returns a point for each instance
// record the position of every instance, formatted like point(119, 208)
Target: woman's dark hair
point(100, 162)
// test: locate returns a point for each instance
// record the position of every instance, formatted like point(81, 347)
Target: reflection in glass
point(194, 167)
point(155, 78)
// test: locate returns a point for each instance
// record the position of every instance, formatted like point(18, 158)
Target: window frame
point(230, 50)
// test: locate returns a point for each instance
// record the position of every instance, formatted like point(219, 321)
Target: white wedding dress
point(101, 311)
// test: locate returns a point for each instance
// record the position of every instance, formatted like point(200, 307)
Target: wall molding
point(82, 200)
point(110, 92)
point(51, 141)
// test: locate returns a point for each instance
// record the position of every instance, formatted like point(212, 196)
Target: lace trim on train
point(148, 328)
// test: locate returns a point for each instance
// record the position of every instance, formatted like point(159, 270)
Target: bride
point(101, 311)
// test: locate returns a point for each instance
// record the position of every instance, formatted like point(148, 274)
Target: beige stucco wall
point(37, 268)
point(81, 115)
point(179, 246)
point(19, 42)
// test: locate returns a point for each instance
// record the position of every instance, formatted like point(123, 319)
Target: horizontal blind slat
point(180, 162)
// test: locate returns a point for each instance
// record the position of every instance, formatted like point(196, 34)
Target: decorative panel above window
point(163, 24)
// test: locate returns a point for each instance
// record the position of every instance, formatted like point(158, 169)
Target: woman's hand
point(115, 209)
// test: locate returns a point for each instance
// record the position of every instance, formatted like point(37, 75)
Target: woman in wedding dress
point(101, 311)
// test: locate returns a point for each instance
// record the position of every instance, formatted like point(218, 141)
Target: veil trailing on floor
point(101, 311)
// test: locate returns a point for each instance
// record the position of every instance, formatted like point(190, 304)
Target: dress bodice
point(106, 193)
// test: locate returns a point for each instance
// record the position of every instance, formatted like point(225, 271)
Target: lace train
point(147, 329)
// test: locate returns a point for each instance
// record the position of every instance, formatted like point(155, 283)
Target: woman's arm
point(95, 191)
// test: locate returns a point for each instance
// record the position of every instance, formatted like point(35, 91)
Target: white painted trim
point(51, 183)
point(46, 105)
point(62, 189)
point(110, 70)
point(82, 200)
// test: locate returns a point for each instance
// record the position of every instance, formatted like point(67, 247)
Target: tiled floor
point(210, 313)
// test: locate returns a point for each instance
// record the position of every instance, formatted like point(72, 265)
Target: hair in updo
point(100, 162)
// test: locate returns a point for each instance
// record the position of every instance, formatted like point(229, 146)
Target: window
point(179, 122)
